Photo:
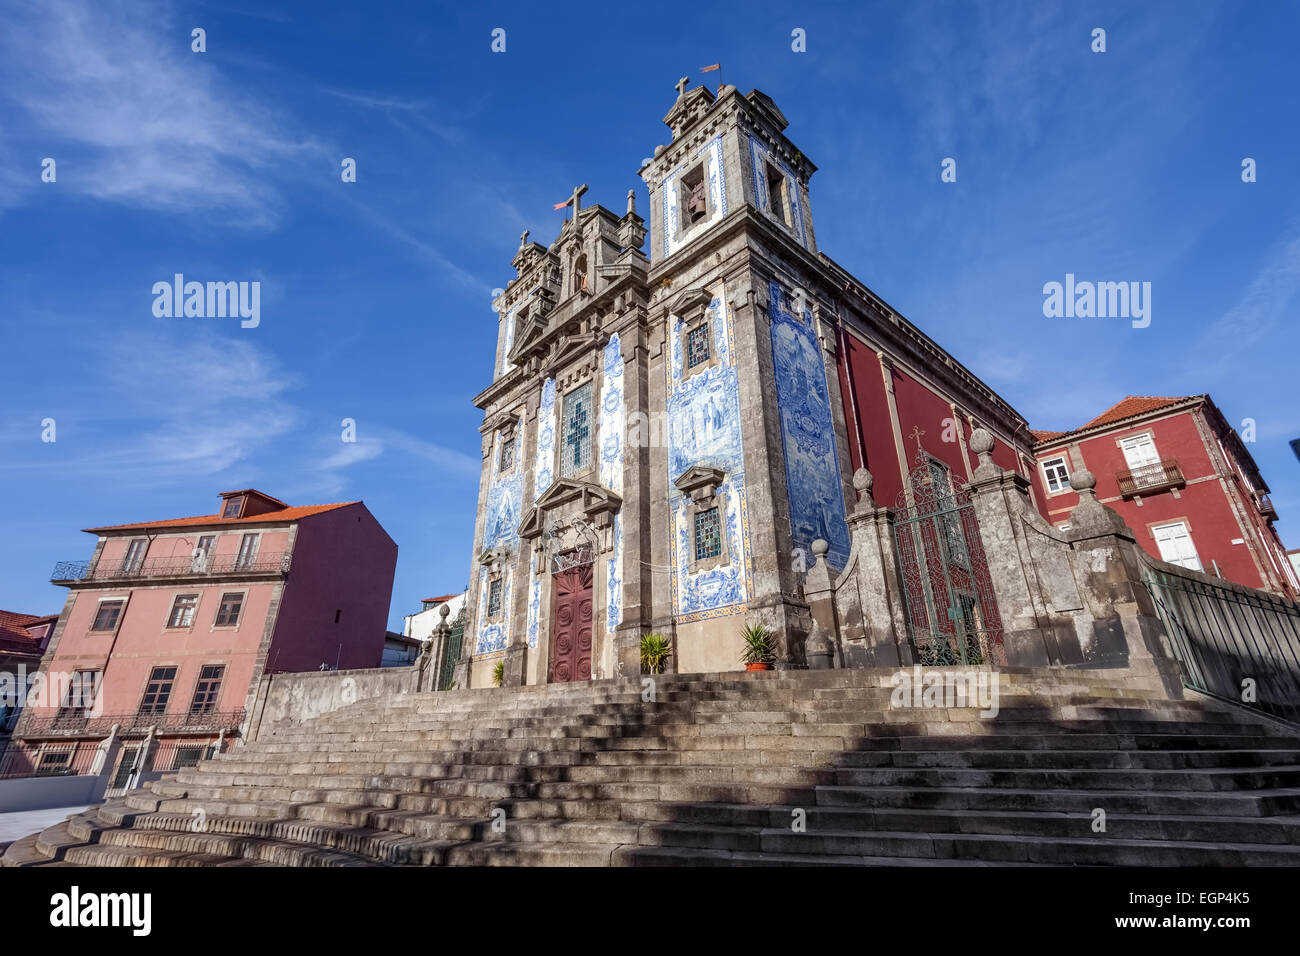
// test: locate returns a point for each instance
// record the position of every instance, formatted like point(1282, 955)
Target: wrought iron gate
point(451, 652)
point(952, 617)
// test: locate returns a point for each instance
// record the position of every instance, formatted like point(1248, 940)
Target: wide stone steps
point(777, 769)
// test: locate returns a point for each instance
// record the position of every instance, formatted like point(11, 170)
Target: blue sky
point(1122, 166)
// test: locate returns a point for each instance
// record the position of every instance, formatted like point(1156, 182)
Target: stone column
point(1126, 629)
point(869, 600)
point(999, 498)
point(822, 649)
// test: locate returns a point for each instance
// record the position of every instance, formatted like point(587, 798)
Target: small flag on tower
point(561, 205)
point(709, 69)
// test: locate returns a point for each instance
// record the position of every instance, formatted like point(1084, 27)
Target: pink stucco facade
point(271, 588)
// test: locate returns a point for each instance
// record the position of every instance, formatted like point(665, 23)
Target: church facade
point(669, 429)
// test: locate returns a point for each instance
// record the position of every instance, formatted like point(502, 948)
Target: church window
point(575, 444)
point(494, 597)
point(694, 197)
point(777, 200)
point(708, 534)
point(580, 275)
point(697, 345)
point(507, 452)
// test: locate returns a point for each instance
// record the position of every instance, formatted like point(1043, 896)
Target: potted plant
point(760, 648)
point(655, 651)
point(499, 674)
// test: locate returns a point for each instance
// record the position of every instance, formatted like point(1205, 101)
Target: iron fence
point(50, 760)
point(1232, 642)
point(70, 723)
point(199, 566)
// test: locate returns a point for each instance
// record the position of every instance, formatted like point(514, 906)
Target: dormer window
point(232, 507)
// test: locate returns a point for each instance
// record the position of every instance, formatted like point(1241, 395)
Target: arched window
point(580, 274)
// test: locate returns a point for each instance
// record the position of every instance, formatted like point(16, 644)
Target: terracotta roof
point(285, 514)
point(1130, 406)
point(441, 600)
point(13, 632)
point(253, 491)
point(1127, 407)
point(18, 619)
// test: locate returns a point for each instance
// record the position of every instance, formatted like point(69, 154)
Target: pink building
point(170, 624)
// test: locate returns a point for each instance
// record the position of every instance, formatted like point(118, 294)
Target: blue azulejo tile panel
point(704, 422)
point(812, 465)
point(492, 636)
point(504, 510)
point(545, 456)
point(534, 601)
point(612, 417)
point(614, 580)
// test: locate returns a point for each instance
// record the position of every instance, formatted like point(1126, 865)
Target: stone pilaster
point(869, 597)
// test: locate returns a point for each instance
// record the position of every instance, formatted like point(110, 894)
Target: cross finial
point(577, 196)
point(523, 239)
point(681, 86)
point(916, 433)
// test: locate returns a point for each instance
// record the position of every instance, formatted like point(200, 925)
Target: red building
point(1181, 477)
point(170, 624)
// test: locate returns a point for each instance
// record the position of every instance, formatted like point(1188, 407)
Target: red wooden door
point(571, 625)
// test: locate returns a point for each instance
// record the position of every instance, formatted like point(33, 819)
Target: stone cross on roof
point(681, 86)
point(523, 239)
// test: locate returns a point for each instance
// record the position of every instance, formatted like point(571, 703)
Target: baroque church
point(669, 429)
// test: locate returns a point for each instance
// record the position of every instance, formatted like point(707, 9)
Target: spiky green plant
point(499, 674)
point(760, 645)
point(655, 651)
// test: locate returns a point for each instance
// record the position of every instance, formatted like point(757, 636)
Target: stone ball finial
point(863, 480)
point(820, 546)
point(1083, 480)
point(981, 442)
point(444, 611)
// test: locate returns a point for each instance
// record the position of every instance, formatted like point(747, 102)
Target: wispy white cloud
point(136, 117)
point(1263, 306)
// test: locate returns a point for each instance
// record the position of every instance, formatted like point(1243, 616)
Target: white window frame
point(1047, 475)
point(1129, 442)
point(1187, 534)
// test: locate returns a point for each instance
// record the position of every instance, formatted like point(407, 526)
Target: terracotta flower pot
point(759, 666)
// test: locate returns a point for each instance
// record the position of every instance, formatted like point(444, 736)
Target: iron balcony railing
point(1266, 507)
point(61, 760)
point(65, 723)
point(216, 565)
point(1148, 479)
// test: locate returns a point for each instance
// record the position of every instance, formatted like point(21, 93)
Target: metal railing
point(215, 565)
point(62, 760)
point(1146, 479)
point(1232, 642)
point(77, 724)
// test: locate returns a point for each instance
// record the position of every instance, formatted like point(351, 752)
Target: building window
point(575, 446)
point(693, 198)
point(107, 614)
point(232, 603)
point(183, 608)
point(82, 691)
point(202, 553)
point(55, 763)
point(777, 199)
point(580, 275)
point(207, 688)
point(1175, 544)
point(507, 453)
point(134, 557)
point(232, 508)
point(1139, 450)
point(708, 534)
point(697, 345)
point(494, 597)
point(247, 551)
point(1056, 475)
point(190, 756)
point(158, 691)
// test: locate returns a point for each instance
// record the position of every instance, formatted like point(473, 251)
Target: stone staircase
point(776, 768)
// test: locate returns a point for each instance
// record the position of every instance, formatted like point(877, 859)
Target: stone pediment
point(700, 481)
point(592, 500)
point(689, 305)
